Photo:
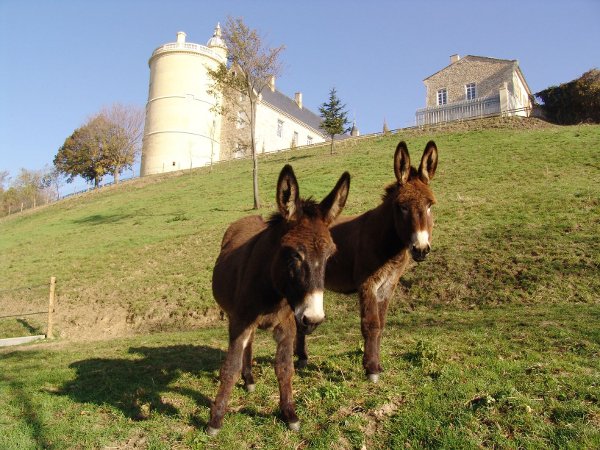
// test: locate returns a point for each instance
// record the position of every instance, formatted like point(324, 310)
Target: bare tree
point(125, 135)
point(251, 67)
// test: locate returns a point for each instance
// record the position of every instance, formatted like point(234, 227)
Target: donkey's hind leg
point(284, 334)
point(230, 373)
point(247, 366)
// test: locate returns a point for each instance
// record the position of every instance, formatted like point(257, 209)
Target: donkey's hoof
point(212, 431)
point(250, 387)
point(373, 377)
point(302, 363)
point(294, 426)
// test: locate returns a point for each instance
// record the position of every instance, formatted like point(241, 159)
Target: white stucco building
point(182, 129)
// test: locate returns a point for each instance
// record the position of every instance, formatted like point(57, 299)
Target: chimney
point(298, 96)
point(454, 58)
point(272, 83)
point(181, 37)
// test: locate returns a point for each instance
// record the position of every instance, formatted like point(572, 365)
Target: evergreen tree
point(334, 115)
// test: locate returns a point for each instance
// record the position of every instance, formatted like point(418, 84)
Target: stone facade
point(500, 87)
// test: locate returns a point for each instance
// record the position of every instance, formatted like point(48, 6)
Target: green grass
point(493, 341)
point(516, 220)
point(502, 377)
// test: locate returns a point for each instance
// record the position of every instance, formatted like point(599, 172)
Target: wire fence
point(27, 311)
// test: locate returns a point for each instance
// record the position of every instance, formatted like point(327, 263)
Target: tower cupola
point(216, 42)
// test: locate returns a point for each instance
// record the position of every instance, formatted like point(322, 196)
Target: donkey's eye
point(296, 257)
point(404, 209)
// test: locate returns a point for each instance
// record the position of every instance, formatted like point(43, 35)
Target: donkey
point(271, 275)
point(374, 249)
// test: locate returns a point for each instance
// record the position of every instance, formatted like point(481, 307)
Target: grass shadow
point(136, 386)
point(102, 219)
point(32, 329)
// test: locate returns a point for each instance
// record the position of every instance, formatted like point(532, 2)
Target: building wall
point(180, 131)
point(235, 138)
point(267, 139)
point(488, 75)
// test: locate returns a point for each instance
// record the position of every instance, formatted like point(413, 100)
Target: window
point(309, 140)
point(471, 92)
point(279, 127)
point(240, 150)
point(295, 140)
point(442, 97)
point(240, 122)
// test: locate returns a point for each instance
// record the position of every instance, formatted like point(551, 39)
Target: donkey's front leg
point(284, 335)
point(300, 349)
point(371, 331)
point(247, 366)
point(230, 373)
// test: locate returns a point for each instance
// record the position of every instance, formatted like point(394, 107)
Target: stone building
point(183, 129)
point(475, 86)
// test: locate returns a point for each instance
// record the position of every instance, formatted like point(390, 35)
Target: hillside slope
point(517, 220)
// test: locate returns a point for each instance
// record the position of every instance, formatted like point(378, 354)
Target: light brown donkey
point(271, 275)
point(373, 249)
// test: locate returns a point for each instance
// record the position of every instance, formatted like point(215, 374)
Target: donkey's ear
point(402, 163)
point(428, 162)
point(288, 193)
point(332, 205)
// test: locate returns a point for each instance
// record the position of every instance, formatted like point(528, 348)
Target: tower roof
point(216, 40)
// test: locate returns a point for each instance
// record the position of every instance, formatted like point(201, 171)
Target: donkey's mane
point(308, 208)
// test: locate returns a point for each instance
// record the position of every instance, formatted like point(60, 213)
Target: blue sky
point(63, 60)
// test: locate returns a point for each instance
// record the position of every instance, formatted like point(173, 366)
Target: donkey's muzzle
point(419, 253)
point(310, 314)
point(307, 326)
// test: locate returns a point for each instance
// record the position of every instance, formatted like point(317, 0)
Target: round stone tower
point(181, 130)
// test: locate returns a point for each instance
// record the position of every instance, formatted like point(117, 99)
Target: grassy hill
point(516, 220)
point(493, 342)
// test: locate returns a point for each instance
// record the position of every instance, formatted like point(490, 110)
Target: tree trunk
point(116, 176)
point(254, 154)
point(332, 143)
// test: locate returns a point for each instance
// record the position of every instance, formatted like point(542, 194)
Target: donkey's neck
point(385, 238)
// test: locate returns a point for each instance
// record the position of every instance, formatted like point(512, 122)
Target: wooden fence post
point(49, 334)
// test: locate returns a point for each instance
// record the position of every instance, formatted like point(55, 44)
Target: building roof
point(288, 106)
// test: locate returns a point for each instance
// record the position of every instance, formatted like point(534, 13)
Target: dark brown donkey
point(271, 275)
point(374, 249)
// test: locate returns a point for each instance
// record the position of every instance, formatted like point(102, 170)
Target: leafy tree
point(251, 66)
point(27, 190)
point(108, 143)
point(573, 102)
point(334, 115)
point(85, 152)
point(4, 177)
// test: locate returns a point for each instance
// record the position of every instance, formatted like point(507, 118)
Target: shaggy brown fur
point(373, 249)
point(267, 276)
